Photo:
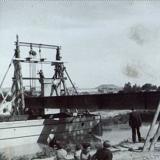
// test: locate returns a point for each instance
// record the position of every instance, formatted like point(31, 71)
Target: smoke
point(137, 70)
point(139, 34)
point(131, 71)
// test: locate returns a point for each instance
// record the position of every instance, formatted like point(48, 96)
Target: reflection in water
point(118, 133)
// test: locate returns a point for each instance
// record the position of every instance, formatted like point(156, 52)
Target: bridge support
point(150, 132)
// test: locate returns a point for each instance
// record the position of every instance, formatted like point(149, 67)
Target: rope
point(30, 75)
point(72, 86)
point(40, 57)
point(6, 72)
point(71, 81)
point(5, 97)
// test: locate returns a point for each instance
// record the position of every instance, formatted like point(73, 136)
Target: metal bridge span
point(120, 101)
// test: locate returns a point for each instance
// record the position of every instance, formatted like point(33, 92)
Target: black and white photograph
point(79, 80)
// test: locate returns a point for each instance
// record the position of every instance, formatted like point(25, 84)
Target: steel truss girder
point(120, 101)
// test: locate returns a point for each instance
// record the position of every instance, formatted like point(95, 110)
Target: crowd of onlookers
point(81, 152)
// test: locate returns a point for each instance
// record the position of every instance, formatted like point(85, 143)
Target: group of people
point(82, 152)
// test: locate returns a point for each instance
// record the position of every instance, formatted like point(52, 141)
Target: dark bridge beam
point(140, 100)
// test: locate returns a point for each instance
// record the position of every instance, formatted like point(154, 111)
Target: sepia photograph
point(79, 80)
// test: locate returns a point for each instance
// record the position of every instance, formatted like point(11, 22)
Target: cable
point(4, 97)
point(40, 57)
point(6, 72)
point(71, 81)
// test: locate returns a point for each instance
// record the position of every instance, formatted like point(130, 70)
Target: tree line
point(128, 87)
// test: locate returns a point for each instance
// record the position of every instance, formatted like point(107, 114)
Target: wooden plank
point(150, 132)
point(33, 60)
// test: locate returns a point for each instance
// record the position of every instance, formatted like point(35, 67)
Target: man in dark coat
point(103, 153)
point(135, 123)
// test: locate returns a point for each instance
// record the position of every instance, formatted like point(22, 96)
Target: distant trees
point(128, 87)
point(136, 88)
point(148, 87)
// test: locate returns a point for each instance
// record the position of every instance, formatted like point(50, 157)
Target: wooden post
point(149, 135)
point(17, 86)
point(155, 138)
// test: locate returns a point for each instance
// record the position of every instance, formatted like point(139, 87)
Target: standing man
point(135, 123)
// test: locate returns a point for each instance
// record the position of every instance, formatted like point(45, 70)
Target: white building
point(108, 88)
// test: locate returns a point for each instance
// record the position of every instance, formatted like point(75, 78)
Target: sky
point(103, 42)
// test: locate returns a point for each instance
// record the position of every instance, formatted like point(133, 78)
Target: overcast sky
point(104, 42)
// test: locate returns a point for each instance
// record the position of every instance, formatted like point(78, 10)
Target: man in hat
point(135, 123)
point(103, 153)
point(85, 154)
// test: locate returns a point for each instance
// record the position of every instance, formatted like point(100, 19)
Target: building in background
point(108, 88)
point(101, 89)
